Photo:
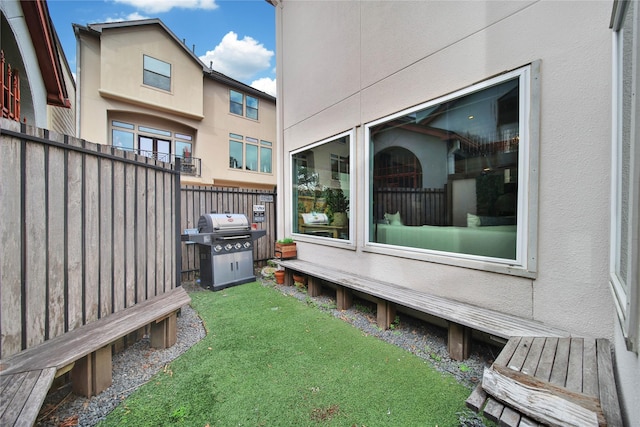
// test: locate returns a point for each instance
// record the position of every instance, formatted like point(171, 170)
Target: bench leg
point(314, 287)
point(92, 374)
point(459, 343)
point(344, 298)
point(385, 314)
point(164, 332)
point(288, 277)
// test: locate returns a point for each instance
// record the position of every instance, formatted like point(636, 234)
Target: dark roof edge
point(219, 77)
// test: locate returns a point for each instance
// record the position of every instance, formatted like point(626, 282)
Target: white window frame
point(352, 191)
point(525, 264)
point(626, 295)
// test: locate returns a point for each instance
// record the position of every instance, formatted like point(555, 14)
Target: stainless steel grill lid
point(214, 222)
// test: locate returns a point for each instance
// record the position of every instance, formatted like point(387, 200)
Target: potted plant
point(279, 275)
point(286, 248)
point(338, 204)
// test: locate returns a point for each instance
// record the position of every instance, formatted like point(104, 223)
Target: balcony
point(191, 166)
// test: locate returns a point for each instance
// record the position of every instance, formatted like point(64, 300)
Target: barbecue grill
point(225, 242)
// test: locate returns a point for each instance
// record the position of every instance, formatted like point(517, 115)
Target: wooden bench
point(550, 381)
point(25, 377)
point(462, 318)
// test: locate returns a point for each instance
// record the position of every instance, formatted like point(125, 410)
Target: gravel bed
point(138, 363)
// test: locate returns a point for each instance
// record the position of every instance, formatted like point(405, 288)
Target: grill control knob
point(238, 245)
point(247, 244)
point(228, 246)
point(217, 248)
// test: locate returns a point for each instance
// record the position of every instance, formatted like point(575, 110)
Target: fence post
point(178, 222)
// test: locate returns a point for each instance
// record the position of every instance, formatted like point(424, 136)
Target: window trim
point(245, 105)
point(627, 301)
point(525, 264)
point(350, 242)
point(246, 141)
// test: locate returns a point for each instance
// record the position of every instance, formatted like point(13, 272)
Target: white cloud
point(135, 16)
point(265, 84)
point(159, 6)
point(239, 59)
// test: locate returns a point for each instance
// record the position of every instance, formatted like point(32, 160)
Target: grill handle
point(240, 237)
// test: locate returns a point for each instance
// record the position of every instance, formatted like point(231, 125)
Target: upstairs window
point(243, 105)
point(249, 153)
point(156, 73)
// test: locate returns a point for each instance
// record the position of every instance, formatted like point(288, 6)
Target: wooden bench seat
point(86, 352)
point(550, 381)
point(461, 317)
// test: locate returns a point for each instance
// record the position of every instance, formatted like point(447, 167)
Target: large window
point(243, 105)
point(321, 192)
point(625, 230)
point(451, 176)
point(249, 153)
point(156, 73)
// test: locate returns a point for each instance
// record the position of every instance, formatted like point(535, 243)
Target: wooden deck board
point(574, 368)
point(22, 399)
point(573, 382)
point(545, 364)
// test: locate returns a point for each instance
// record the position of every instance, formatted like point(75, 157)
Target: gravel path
point(137, 365)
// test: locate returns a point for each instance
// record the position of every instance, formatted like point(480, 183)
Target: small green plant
point(329, 306)
point(285, 241)
point(395, 324)
point(463, 368)
point(271, 263)
point(435, 357)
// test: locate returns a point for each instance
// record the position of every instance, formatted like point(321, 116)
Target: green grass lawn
point(270, 360)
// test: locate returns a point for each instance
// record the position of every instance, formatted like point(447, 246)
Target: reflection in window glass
point(236, 102)
point(156, 73)
point(445, 175)
point(235, 154)
point(123, 140)
point(321, 203)
point(252, 107)
point(265, 160)
point(252, 157)
point(183, 149)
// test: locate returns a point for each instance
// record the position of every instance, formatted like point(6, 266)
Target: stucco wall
point(342, 67)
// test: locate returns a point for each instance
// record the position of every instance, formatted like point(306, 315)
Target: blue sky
point(237, 35)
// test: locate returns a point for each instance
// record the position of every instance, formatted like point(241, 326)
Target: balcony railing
point(188, 165)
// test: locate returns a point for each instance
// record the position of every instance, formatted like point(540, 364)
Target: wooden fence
point(417, 206)
point(86, 230)
point(198, 200)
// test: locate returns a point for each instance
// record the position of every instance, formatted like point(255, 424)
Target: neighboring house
point(472, 141)
point(142, 89)
point(37, 85)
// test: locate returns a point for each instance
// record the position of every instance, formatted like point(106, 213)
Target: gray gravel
point(137, 364)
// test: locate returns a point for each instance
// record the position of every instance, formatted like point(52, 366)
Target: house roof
point(207, 71)
point(47, 48)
